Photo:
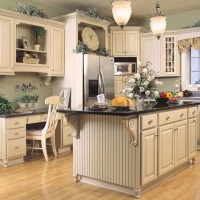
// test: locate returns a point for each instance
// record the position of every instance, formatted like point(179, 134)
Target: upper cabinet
point(125, 42)
point(6, 45)
point(32, 50)
point(31, 44)
point(163, 54)
point(57, 51)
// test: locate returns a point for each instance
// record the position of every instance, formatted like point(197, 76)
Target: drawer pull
point(168, 117)
point(16, 123)
point(16, 133)
point(150, 121)
point(181, 115)
point(17, 147)
point(69, 135)
point(194, 121)
point(193, 112)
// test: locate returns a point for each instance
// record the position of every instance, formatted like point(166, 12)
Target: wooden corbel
point(131, 128)
point(74, 121)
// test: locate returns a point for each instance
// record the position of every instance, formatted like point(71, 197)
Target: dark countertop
point(131, 111)
point(26, 113)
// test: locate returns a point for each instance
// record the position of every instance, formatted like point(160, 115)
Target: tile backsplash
point(8, 87)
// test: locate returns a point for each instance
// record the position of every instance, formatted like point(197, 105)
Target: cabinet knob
point(16, 123)
point(193, 112)
point(168, 117)
point(17, 147)
point(16, 133)
point(181, 115)
point(150, 121)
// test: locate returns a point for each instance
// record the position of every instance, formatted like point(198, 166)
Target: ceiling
point(142, 9)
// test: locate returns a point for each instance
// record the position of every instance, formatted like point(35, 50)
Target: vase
point(36, 47)
point(139, 103)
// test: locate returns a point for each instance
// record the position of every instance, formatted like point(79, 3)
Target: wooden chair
point(49, 129)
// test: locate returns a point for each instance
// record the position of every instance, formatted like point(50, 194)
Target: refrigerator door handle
point(101, 86)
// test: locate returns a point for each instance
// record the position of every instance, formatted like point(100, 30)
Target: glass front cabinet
point(170, 56)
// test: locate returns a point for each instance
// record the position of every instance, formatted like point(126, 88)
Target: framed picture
point(64, 95)
point(25, 43)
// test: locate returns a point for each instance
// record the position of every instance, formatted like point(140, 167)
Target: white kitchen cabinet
point(165, 149)
point(67, 136)
point(169, 60)
point(57, 52)
point(192, 137)
point(125, 43)
point(6, 46)
point(149, 155)
point(180, 142)
point(150, 51)
point(163, 54)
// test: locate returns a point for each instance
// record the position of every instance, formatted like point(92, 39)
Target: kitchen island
point(129, 151)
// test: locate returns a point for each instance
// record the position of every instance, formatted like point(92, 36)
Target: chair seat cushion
point(34, 132)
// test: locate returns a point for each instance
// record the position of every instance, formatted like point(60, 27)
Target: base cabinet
point(192, 137)
point(149, 155)
point(166, 149)
point(180, 142)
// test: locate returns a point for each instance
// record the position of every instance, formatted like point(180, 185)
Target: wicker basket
point(30, 60)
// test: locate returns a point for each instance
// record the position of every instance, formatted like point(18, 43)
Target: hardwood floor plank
point(40, 180)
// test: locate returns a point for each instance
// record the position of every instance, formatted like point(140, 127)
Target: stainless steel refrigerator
point(98, 78)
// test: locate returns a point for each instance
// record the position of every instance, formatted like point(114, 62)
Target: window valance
point(185, 44)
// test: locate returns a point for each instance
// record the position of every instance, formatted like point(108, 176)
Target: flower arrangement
point(142, 84)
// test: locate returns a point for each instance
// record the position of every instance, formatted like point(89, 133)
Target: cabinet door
point(149, 155)
point(6, 48)
point(192, 137)
point(67, 136)
point(118, 43)
point(180, 142)
point(169, 59)
point(57, 52)
point(150, 51)
point(132, 46)
point(166, 149)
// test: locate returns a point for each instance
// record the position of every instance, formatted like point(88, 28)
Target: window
point(194, 66)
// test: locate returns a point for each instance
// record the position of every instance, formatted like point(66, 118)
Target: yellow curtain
point(185, 44)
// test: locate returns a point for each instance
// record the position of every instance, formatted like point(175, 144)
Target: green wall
point(8, 87)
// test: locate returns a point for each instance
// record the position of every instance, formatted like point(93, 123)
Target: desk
point(13, 135)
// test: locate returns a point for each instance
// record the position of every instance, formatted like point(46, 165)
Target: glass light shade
point(158, 25)
point(121, 11)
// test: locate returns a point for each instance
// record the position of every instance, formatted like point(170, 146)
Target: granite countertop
point(25, 113)
point(131, 111)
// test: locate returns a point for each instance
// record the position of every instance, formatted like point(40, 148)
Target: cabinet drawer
point(67, 136)
point(16, 122)
point(149, 121)
point(167, 117)
point(43, 117)
point(16, 133)
point(34, 119)
point(16, 147)
point(181, 114)
point(192, 112)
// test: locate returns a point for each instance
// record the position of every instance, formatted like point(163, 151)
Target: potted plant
point(5, 106)
point(34, 100)
point(24, 100)
point(38, 33)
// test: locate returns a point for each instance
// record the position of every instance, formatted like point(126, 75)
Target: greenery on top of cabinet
point(5, 106)
point(30, 10)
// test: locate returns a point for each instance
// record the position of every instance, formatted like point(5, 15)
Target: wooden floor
point(40, 180)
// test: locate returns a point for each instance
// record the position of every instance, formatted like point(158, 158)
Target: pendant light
point(158, 23)
point(121, 10)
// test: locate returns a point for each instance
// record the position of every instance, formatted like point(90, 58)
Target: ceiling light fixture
point(158, 23)
point(121, 10)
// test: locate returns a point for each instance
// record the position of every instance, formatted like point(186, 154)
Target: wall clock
point(90, 38)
